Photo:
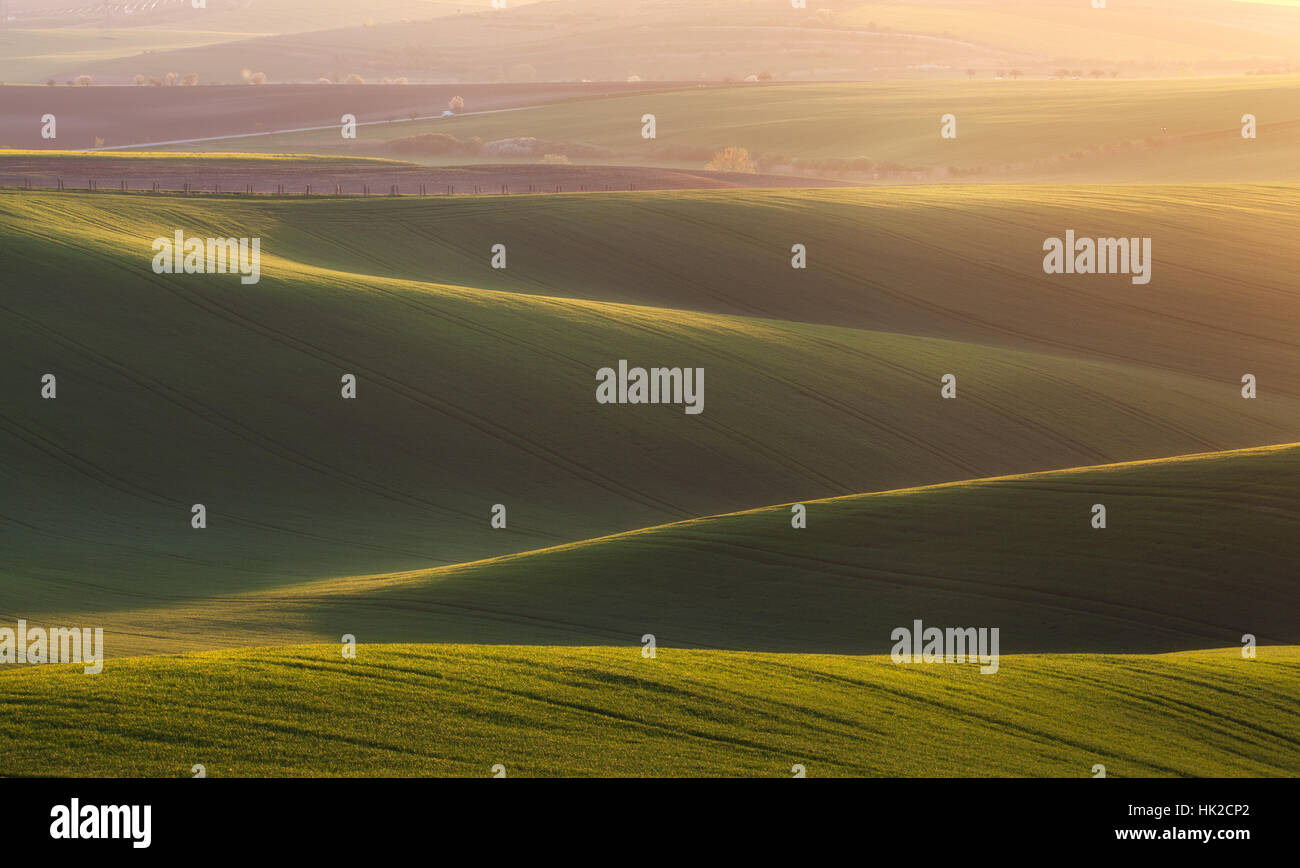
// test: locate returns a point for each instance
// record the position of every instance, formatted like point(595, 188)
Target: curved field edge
point(470, 397)
point(1197, 551)
point(438, 710)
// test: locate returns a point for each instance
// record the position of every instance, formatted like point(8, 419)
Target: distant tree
point(172, 78)
point(139, 79)
point(353, 78)
point(83, 81)
point(634, 78)
point(970, 73)
point(49, 82)
point(732, 159)
point(323, 80)
point(765, 76)
point(456, 104)
point(1015, 73)
point(1096, 73)
point(155, 82)
point(257, 78)
point(190, 79)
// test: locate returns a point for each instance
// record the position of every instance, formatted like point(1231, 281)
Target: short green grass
point(430, 710)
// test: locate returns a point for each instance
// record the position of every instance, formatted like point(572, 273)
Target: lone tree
point(82, 81)
point(456, 104)
point(732, 159)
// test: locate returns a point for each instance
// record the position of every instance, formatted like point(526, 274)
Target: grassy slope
point(1038, 131)
point(454, 710)
point(955, 263)
point(174, 392)
point(1198, 551)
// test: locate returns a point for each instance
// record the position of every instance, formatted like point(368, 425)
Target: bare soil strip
point(321, 178)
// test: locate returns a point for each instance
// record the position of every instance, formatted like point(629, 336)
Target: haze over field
point(610, 40)
point(981, 315)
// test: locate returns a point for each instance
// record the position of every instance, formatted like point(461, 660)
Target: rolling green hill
point(1197, 552)
point(957, 263)
point(174, 392)
point(455, 710)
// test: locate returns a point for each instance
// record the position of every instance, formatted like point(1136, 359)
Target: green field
point(1167, 573)
point(207, 391)
point(1022, 131)
point(400, 710)
point(476, 386)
